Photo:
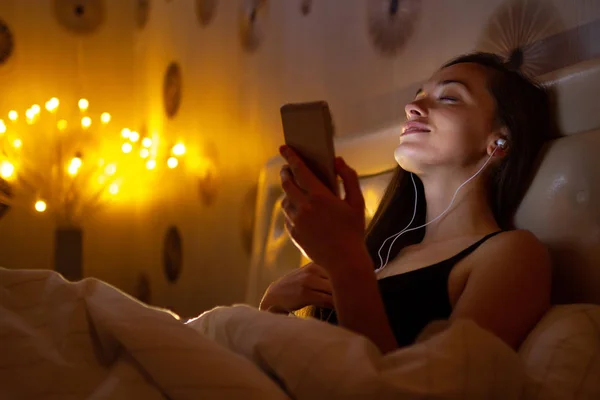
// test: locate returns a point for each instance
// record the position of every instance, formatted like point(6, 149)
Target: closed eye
point(449, 99)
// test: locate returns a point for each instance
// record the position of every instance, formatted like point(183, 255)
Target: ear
point(499, 149)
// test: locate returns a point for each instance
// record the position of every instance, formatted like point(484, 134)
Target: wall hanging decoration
point(172, 90)
point(516, 31)
point(80, 16)
point(253, 17)
point(391, 23)
point(205, 11)
point(172, 254)
point(6, 42)
point(142, 13)
point(306, 7)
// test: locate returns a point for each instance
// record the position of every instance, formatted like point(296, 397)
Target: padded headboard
point(562, 205)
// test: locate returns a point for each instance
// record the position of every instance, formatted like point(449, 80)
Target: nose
point(415, 109)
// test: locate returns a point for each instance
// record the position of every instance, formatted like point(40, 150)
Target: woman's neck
point(469, 215)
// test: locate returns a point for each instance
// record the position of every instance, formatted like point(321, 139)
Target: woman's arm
point(358, 302)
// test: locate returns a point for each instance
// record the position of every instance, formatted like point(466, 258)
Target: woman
point(468, 263)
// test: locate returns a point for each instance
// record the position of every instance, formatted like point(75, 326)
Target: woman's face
point(450, 122)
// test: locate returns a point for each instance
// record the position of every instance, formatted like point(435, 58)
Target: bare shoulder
point(520, 240)
point(519, 249)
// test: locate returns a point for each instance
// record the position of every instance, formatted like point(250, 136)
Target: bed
point(562, 208)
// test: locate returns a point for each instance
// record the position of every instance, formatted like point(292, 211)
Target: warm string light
point(178, 149)
point(74, 166)
point(134, 136)
point(83, 104)
point(86, 122)
point(126, 148)
point(6, 169)
point(147, 148)
point(52, 104)
point(172, 162)
point(40, 206)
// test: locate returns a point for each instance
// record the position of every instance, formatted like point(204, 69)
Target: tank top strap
point(472, 248)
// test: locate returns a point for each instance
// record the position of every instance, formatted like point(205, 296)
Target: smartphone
point(308, 129)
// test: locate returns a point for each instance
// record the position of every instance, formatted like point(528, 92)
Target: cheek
point(459, 128)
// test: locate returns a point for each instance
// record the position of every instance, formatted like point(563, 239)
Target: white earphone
point(500, 143)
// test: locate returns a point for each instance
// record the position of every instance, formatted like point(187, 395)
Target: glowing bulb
point(13, 115)
point(110, 169)
point(40, 206)
point(6, 169)
point(62, 125)
point(127, 147)
point(83, 104)
point(134, 136)
point(105, 118)
point(172, 162)
point(179, 149)
point(151, 164)
point(113, 189)
point(72, 170)
point(147, 142)
point(30, 114)
point(52, 104)
point(76, 162)
point(2, 127)
point(35, 108)
point(144, 153)
point(86, 122)
point(125, 133)
point(17, 143)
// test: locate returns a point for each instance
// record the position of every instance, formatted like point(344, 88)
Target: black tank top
point(413, 299)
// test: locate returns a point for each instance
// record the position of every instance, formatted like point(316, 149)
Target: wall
point(229, 109)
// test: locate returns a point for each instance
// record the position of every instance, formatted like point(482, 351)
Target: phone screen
point(308, 129)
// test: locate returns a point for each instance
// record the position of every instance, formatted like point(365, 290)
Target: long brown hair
point(524, 108)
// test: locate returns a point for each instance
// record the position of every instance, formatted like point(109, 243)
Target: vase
point(68, 253)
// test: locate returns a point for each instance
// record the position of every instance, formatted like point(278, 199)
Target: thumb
point(349, 176)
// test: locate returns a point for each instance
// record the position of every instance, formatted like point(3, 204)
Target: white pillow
point(562, 354)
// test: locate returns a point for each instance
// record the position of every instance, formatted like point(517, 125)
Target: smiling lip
point(414, 127)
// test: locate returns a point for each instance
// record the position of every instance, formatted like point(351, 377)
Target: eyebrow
point(447, 82)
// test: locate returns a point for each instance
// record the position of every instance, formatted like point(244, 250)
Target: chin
point(411, 159)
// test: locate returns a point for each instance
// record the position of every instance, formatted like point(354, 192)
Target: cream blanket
point(88, 340)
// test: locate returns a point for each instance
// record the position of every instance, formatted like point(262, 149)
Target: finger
point(287, 209)
point(321, 284)
point(291, 188)
point(354, 195)
point(303, 175)
point(321, 300)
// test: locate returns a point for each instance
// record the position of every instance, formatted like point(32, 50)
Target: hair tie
point(515, 60)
